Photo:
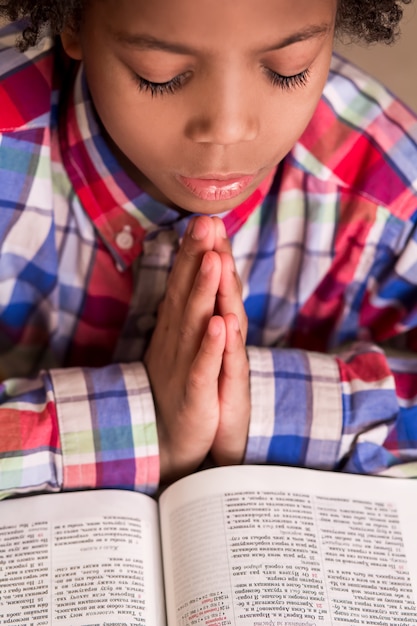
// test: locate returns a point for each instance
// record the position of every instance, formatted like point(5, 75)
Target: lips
point(215, 187)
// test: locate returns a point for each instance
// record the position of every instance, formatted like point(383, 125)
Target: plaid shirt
point(326, 251)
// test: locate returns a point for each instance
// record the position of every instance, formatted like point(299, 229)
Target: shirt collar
point(122, 213)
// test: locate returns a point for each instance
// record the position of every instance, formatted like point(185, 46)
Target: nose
point(224, 113)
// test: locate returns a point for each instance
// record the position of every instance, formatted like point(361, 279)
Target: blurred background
point(394, 65)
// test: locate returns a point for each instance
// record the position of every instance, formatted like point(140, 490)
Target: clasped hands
point(196, 360)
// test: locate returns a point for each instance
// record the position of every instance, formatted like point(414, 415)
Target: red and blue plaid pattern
point(327, 254)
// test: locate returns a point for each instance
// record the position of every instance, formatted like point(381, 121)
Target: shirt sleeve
point(79, 428)
point(354, 411)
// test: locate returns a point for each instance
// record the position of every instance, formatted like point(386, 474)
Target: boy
point(140, 116)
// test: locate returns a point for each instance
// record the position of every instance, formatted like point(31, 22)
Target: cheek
point(302, 107)
point(113, 92)
point(289, 117)
point(291, 111)
point(120, 112)
point(129, 113)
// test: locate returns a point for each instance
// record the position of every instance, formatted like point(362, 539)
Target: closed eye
point(160, 89)
point(174, 84)
point(288, 82)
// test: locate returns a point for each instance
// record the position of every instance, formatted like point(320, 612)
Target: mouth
point(216, 187)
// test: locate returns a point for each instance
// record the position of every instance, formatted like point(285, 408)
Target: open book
point(247, 546)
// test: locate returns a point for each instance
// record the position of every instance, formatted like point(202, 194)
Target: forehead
point(217, 22)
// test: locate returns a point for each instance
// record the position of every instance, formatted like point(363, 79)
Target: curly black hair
point(367, 20)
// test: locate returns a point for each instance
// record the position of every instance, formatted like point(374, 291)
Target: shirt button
point(124, 239)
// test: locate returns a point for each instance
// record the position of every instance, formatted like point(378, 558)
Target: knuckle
point(230, 265)
point(186, 333)
point(189, 251)
point(196, 380)
point(172, 298)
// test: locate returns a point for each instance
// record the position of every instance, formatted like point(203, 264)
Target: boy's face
point(202, 98)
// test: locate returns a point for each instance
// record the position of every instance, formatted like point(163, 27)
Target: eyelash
point(171, 86)
point(160, 89)
point(288, 82)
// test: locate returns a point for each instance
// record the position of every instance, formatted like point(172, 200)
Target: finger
point(235, 366)
point(200, 411)
point(202, 383)
point(200, 308)
point(198, 239)
point(221, 240)
point(229, 297)
point(234, 397)
point(189, 422)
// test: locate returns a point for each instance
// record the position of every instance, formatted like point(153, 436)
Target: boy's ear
point(71, 43)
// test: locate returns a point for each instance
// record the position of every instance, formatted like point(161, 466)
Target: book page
point(275, 546)
point(81, 559)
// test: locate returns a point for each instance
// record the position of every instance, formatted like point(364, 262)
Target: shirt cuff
point(107, 428)
point(297, 415)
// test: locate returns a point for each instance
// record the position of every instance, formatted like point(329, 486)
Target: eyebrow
point(148, 42)
point(310, 32)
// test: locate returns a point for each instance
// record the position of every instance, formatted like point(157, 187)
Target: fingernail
point(221, 229)
point(199, 230)
point(206, 264)
point(214, 328)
